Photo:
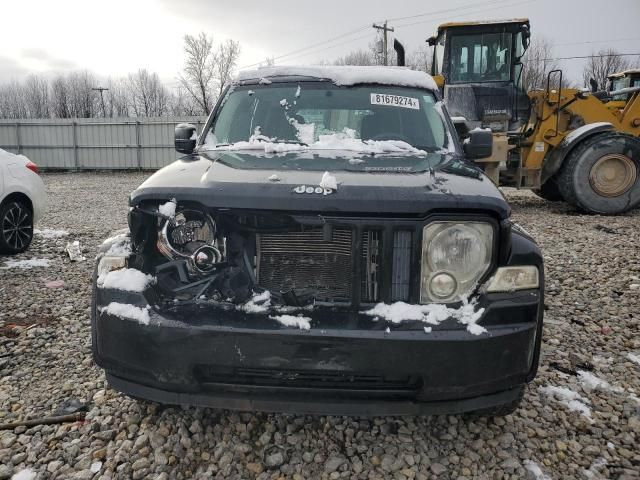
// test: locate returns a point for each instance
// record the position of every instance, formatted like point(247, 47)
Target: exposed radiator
point(307, 262)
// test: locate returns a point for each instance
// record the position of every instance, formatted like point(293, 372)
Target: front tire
point(16, 227)
point(602, 174)
point(549, 191)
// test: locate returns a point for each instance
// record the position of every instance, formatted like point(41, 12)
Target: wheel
point(16, 227)
point(549, 191)
point(500, 410)
point(602, 174)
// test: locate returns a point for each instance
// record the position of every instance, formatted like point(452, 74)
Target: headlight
point(509, 279)
point(455, 255)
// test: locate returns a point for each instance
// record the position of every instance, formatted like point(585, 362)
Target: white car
point(22, 201)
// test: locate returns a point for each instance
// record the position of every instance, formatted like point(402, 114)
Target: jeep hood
point(382, 184)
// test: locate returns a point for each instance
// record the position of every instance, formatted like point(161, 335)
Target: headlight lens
point(509, 279)
point(455, 255)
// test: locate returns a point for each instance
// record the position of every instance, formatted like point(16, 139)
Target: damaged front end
point(298, 312)
point(202, 255)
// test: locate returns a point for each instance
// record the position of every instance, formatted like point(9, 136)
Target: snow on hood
point(346, 75)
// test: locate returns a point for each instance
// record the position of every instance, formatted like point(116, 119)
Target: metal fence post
point(76, 161)
point(139, 149)
point(18, 138)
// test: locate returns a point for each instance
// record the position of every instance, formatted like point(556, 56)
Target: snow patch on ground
point(50, 233)
point(570, 399)
point(127, 279)
point(433, 314)
point(633, 358)
point(27, 264)
point(168, 209)
point(590, 382)
point(124, 310)
point(345, 75)
point(26, 474)
point(303, 323)
point(535, 470)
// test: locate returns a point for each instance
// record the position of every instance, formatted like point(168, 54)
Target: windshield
point(480, 58)
point(322, 116)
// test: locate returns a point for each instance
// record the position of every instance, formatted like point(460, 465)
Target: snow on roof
point(624, 73)
point(346, 75)
point(471, 23)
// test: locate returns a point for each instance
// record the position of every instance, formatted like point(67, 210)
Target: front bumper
point(347, 364)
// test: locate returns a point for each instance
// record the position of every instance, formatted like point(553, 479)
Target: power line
point(593, 56)
point(446, 10)
point(347, 34)
point(353, 32)
point(466, 13)
point(595, 41)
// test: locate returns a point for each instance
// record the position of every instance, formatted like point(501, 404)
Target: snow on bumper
point(226, 357)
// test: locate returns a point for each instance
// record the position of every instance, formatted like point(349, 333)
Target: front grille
point(401, 268)
point(318, 379)
point(316, 261)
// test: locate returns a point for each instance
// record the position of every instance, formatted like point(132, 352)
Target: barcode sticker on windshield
point(395, 101)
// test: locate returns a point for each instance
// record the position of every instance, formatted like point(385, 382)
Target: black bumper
point(347, 364)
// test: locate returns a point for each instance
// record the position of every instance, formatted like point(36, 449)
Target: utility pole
point(385, 29)
point(101, 90)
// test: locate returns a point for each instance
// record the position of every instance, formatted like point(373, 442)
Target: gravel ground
point(591, 325)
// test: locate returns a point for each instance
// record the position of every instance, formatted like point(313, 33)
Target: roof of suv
point(343, 75)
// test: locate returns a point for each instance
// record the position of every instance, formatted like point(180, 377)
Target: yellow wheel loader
point(564, 144)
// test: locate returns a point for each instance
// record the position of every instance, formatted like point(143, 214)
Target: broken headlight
point(191, 235)
point(455, 255)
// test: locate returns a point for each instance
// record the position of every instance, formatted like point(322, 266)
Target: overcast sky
point(115, 37)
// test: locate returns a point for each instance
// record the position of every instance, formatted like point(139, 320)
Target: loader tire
point(602, 174)
point(549, 191)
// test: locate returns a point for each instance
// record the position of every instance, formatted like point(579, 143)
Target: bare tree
point(225, 61)
point(603, 64)
point(149, 98)
point(538, 62)
point(118, 98)
point(420, 59)
point(199, 70)
point(82, 99)
point(12, 104)
point(60, 97)
point(357, 57)
point(36, 94)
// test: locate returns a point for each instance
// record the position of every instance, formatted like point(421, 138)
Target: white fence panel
point(95, 143)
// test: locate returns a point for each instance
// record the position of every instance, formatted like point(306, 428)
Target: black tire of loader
point(549, 191)
point(573, 180)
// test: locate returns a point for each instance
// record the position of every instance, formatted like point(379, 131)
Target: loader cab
point(479, 66)
point(622, 80)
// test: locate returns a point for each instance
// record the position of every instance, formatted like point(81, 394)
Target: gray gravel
point(592, 320)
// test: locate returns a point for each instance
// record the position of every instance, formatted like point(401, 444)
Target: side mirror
point(431, 41)
point(185, 138)
point(479, 144)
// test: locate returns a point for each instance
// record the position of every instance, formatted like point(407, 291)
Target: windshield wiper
point(292, 142)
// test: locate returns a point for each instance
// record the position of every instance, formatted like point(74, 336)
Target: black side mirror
point(479, 144)
point(431, 41)
point(185, 138)
point(593, 84)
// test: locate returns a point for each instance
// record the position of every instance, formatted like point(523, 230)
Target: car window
point(313, 112)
